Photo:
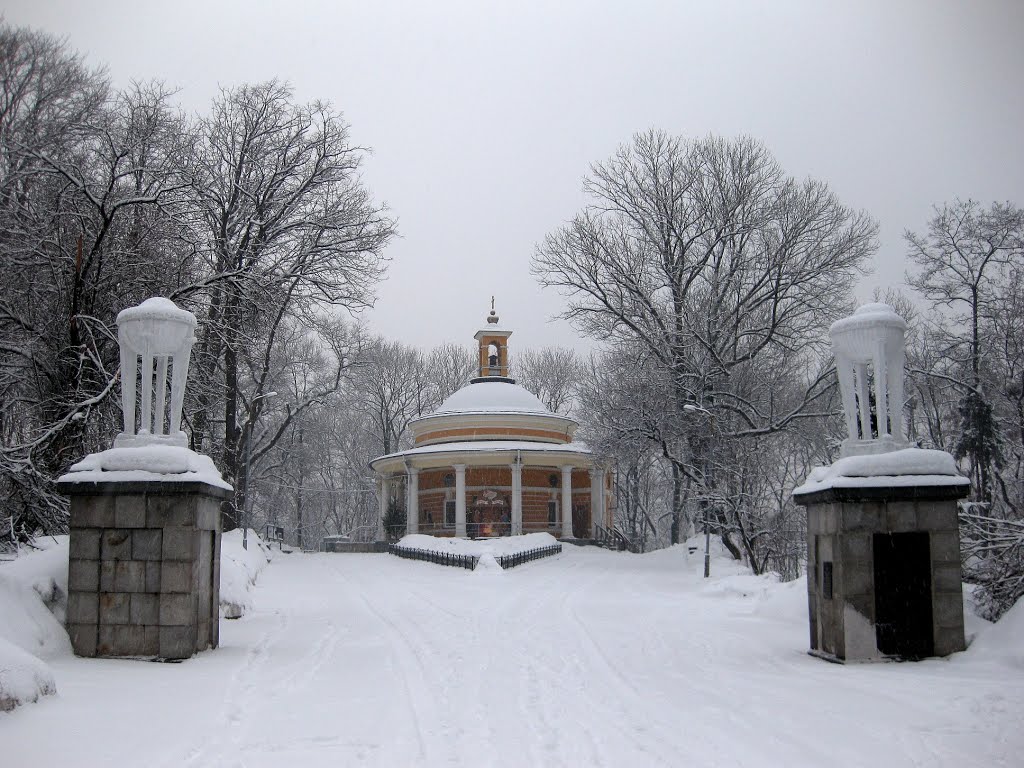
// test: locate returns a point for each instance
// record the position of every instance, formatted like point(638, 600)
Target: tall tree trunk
point(232, 508)
point(298, 494)
point(677, 496)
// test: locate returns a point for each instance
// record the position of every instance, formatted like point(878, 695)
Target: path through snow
point(589, 658)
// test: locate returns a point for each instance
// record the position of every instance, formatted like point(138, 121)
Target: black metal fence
point(469, 561)
point(441, 558)
point(518, 558)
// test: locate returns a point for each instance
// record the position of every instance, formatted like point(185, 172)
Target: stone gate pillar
point(883, 545)
point(144, 564)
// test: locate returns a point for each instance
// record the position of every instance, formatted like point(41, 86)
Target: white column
point(129, 370)
point(460, 500)
point(412, 507)
point(146, 423)
point(567, 502)
point(161, 394)
point(517, 498)
point(382, 507)
point(881, 391)
point(602, 478)
point(894, 380)
point(597, 511)
point(179, 374)
point(865, 404)
point(844, 370)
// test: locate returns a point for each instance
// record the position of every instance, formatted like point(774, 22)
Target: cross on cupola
point(493, 349)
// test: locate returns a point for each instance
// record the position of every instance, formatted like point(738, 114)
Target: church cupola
point(493, 350)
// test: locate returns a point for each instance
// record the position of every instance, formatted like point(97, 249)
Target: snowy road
point(590, 658)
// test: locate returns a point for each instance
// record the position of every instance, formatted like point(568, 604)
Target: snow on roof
point(906, 468)
point(157, 307)
point(483, 446)
point(492, 397)
point(868, 315)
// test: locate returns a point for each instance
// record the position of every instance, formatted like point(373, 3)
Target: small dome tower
point(493, 351)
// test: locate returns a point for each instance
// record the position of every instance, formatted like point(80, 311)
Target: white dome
point(492, 397)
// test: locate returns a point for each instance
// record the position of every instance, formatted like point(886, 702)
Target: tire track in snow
point(441, 668)
point(416, 716)
point(261, 672)
point(226, 734)
point(628, 703)
point(534, 618)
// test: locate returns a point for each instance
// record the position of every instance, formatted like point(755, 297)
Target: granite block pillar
point(883, 571)
point(144, 569)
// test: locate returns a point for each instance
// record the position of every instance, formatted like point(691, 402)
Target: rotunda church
point(493, 461)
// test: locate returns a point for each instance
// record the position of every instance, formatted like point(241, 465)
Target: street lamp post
point(247, 506)
point(707, 529)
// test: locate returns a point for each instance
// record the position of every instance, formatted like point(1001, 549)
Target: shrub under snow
point(238, 571)
point(23, 677)
point(33, 594)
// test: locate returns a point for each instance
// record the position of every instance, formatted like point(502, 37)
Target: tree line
point(706, 272)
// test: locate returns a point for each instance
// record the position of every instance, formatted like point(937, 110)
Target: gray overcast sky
point(484, 117)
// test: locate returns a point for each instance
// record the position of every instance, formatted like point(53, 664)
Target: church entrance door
point(491, 514)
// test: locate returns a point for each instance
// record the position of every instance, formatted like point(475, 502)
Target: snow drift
point(33, 599)
point(238, 571)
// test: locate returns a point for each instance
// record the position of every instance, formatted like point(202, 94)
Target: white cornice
point(490, 453)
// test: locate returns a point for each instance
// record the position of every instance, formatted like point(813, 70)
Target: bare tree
point(286, 229)
point(396, 388)
point(961, 258)
point(722, 269)
point(450, 367)
point(550, 373)
point(965, 255)
point(253, 216)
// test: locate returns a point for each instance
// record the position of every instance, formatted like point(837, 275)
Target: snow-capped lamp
point(872, 336)
point(159, 332)
point(161, 335)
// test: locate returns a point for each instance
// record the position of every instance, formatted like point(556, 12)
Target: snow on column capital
point(873, 336)
point(157, 330)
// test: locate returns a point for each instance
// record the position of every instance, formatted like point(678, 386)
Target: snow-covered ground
point(585, 658)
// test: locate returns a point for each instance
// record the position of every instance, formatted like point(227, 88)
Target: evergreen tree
point(979, 441)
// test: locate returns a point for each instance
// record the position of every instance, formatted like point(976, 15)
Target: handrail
point(613, 538)
point(624, 541)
